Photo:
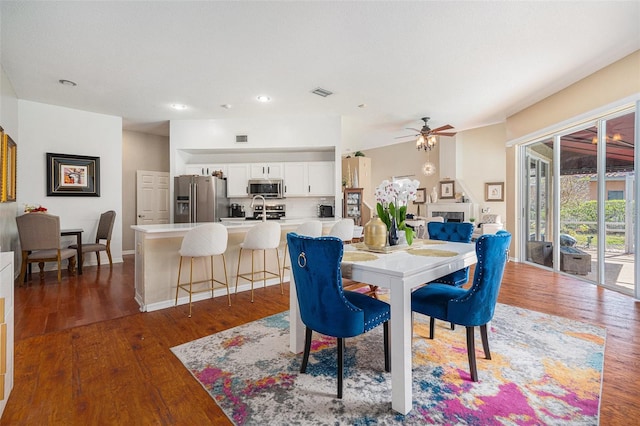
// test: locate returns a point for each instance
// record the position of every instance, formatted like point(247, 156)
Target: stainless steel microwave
point(268, 188)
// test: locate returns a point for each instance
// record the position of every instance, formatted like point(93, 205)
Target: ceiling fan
point(427, 139)
point(427, 136)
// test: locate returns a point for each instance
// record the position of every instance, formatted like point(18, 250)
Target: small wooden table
point(78, 233)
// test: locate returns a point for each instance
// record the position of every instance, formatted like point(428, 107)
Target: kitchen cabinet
point(267, 170)
point(205, 169)
point(237, 180)
point(296, 179)
point(359, 169)
point(321, 175)
point(313, 178)
point(352, 205)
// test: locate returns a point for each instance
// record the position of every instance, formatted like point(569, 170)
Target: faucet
point(264, 206)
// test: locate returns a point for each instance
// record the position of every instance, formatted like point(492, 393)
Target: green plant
point(392, 199)
point(359, 154)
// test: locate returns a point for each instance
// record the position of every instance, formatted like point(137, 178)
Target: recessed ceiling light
point(263, 98)
point(67, 83)
point(178, 106)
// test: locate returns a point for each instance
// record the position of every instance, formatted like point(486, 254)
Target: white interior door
point(152, 197)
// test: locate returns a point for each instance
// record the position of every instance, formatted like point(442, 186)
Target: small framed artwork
point(421, 196)
point(8, 157)
point(494, 191)
point(447, 189)
point(73, 175)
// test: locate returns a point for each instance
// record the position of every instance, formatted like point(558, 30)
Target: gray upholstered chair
point(39, 235)
point(103, 238)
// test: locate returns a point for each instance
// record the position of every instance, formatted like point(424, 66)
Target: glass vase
point(393, 232)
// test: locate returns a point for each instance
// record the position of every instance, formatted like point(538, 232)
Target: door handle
point(141, 215)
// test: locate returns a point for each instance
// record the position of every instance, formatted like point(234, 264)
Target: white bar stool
point(262, 236)
point(313, 228)
point(343, 229)
point(203, 241)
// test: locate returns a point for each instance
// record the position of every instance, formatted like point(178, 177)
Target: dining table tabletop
point(400, 269)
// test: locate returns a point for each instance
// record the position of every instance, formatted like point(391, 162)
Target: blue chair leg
point(471, 352)
point(307, 349)
point(340, 365)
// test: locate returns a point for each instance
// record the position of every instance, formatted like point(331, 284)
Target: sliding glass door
point(579, 209)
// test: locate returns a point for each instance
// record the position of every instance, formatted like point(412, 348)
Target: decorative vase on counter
point(375, 233)
point(434, 195)
point(393, 233)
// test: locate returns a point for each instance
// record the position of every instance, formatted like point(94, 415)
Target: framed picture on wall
point(8, 157)
point(421, 196)
point(494, 191)
point(447, 189)
point(73, 175)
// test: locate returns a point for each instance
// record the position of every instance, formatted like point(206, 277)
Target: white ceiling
point(467, 64)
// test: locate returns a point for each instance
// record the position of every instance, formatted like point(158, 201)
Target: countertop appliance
point(200, 199)
point(325, 210)
point(268, 188)
point(274, 212)
point(237, 210)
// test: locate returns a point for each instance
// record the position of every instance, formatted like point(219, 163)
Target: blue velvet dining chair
point(473, 307)
point(452, 231)
point(325, 307)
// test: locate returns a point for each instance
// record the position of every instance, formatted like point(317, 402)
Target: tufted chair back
point(452, 231)
point(324, 306)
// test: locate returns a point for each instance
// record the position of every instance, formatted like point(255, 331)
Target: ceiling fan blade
point(446, 127)
point(411, 128)
point(443, 133)
point(407, 136)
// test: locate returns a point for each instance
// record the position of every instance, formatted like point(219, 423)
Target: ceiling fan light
point(420, 142)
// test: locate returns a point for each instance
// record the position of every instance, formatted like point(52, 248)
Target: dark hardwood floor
point(84, 354)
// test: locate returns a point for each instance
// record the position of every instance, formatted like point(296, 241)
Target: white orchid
point(392, 199)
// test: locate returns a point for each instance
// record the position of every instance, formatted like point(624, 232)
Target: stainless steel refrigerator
point(200, 199)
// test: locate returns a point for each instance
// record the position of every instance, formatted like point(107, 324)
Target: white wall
point(48, 128)
point(481, 158)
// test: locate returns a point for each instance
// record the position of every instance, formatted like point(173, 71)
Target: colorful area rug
point(544, 370)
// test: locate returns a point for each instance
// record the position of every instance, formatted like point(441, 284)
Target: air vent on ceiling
point(242, 138)
point(322, 92)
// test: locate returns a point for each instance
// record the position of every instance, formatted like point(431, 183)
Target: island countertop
point(157, 259)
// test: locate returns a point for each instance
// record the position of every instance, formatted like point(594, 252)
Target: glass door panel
point(619, 212)
point(539, 249)
point(579, 203)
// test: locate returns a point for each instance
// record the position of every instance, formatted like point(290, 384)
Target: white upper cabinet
point(267, 170)
point(315, 178)
point(321, 178)
point(204, 169)
point(296, 179)
point(237, 180)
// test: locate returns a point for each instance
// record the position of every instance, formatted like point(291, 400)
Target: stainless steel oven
point(268, 188)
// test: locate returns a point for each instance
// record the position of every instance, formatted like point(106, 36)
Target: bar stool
point(203, 241)
point(262, 236)
point(312, 228)
point(343, 229)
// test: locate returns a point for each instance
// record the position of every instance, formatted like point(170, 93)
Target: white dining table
point(400, 272)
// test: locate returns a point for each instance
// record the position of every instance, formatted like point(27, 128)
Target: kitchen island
point(156, 260)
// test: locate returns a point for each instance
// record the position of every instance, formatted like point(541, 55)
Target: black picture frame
point(73, 175)
point(421, 196)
